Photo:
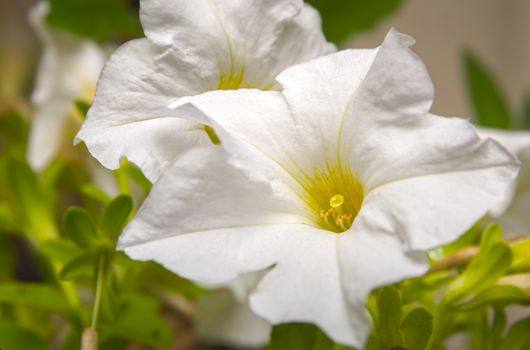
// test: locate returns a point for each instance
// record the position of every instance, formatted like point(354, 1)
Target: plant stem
point(99, 289)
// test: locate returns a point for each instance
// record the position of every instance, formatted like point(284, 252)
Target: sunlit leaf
point(342, 18)
point(96, 194)
point(417, 328)
point(14, 337)
point(299, 336)
point(498, 294)
point(100, 20)
point(489, 103)
point(491, 262)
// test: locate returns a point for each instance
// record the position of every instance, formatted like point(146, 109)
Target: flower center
point(233, 80)
point(335, 196)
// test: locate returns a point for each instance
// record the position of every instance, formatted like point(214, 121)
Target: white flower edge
point(190, 50)
point(513, 212)
point(427, 180)
point(68, 71)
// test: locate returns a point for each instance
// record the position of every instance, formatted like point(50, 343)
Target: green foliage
point(492, 262)
point(80, 227)
point(299, 336)
point(417, 328)
point(498, 295)
point(343, 18)
point(82, 266)
point(115, 217)
point(518, 337)
point(138, 320)
point(36, 295)
point(389, 306)
point(100, 20)
point(12, 336)
point(490, 105)
point(526, 114)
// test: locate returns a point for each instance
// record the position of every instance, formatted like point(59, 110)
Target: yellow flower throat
point(334, 195)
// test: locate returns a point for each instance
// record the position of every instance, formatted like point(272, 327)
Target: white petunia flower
point(68, 71)
point(513, 213)
point(338, 184)
point(191, 49)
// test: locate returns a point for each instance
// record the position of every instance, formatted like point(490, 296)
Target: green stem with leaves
point(90, 335)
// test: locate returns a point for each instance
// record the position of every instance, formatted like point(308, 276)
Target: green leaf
point(526, 113)
point(417, 328)
point(138, 320)
point(13, 132)
point(491, 262)
point(489, 104)
point(342, 18)
point(518, 337)
point(299, 336)
point(115, 217)
point(96, 194)
point(390, 309)
point(82, 266)
point(35, 295)
point(521, 255)
point(14, 337)
point(115, 18)
point(80, 228)
point(498, 294)
point(60, 250)
point(135, 174)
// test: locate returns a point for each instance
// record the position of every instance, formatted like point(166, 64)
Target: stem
point(99, 289)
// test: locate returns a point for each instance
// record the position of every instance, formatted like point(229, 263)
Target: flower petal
point(436, 208)
point(128, 116)
point(368, 259)
point(305, 286)
point(232, 37)
point(202, 192)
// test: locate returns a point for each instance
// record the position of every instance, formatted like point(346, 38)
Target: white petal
point(434, 209)
point(128, 117)
point(516, 142)
point(305, 286)
point(230, 37)
point(202, 192)
point(370, 258)
point(318, 93)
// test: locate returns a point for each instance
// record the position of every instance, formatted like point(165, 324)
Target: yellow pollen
point(334, 194)
point(336, 201)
